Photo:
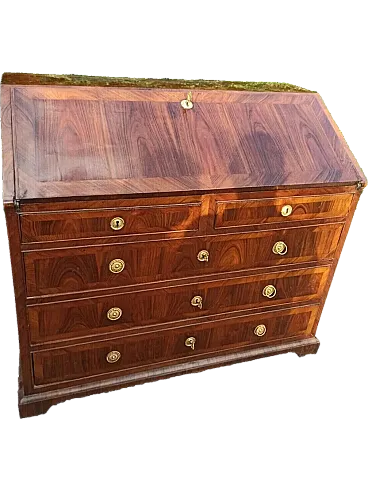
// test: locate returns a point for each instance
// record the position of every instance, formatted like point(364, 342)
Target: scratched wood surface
point(83, 141)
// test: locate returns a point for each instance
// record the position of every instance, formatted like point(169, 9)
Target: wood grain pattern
point(13, 227)
point(86, 360)
point(7, 145)
point(336, 138)
point(87, 268)
point(96, 223)
point(83, 141)
point(337, 255)
point(214, 177)
point(41, 400)
point(91, 202)
point(67, 320)
point(250, 212)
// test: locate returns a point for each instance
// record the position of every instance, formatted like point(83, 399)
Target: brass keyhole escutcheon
point(113, 356)
point(114, 314)
point(197, 301)
point(187, 103)
point(269, 291)
point(280, 248)
point(260, 330)
point(116, 266)
point(203, 256)
point(190, 342)
point(286, 210)
point(117, 223)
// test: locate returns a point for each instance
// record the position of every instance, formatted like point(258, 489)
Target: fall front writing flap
point(83, 141)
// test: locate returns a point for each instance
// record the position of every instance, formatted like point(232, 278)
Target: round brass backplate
point(197, 301)
point(113, 356)
point(114, 314)
point(280, 248)
point(185, 104)
point(260, 330)
point(203, 255)
point(269, 291)
point(190, 342)
point(117, 223)
point(286, 210)
point(116, 266)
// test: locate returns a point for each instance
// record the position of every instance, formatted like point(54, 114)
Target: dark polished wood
point(82, 141)
point(164, 198)
point(17, 264)
point(254, 211)
point(41, 401)
point(67, 320)
point(214, 178)
point(87, 360)
point(77, 269)
point(97, 223)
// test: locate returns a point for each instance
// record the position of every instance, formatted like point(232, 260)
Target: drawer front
point(77, 269)
point(275, 210)
point(63, 320)
point(38, 227)
point(126, 354)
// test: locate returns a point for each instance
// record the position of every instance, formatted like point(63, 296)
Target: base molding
point(40, 403)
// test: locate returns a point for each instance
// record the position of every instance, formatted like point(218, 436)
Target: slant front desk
point(161, 227)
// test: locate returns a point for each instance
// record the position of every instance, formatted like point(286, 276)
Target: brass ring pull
point(203, 255)
point(197, 301)
point(116, 266)
point(114, 314)
point(279, 248)
point(117, 223)
point(260, 330)
point(113, 356)
point(286, 210)
point(269, 291)
point(190, 342)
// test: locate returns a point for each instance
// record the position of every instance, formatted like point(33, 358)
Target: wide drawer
point(37, 227)
point(238, 213)
point(129, 353)
point(108, 314)
point(86, 268)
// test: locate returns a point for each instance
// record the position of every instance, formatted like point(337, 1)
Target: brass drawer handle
point(114, 314)
point(116, 266)
point(260, 330)
point(190, 342)
point(286, 210)
point(117, 223)
point(197, 301)
point(113, 356)
point(279, 248)
point(269, 291)
point(203, 255)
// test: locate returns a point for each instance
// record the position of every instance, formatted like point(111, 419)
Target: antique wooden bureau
point(161, 227)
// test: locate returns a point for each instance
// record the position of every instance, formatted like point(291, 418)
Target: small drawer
point(70, 270)
point(117, 313)
point(176, 345)
point(44, 227)
point(274, 210)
